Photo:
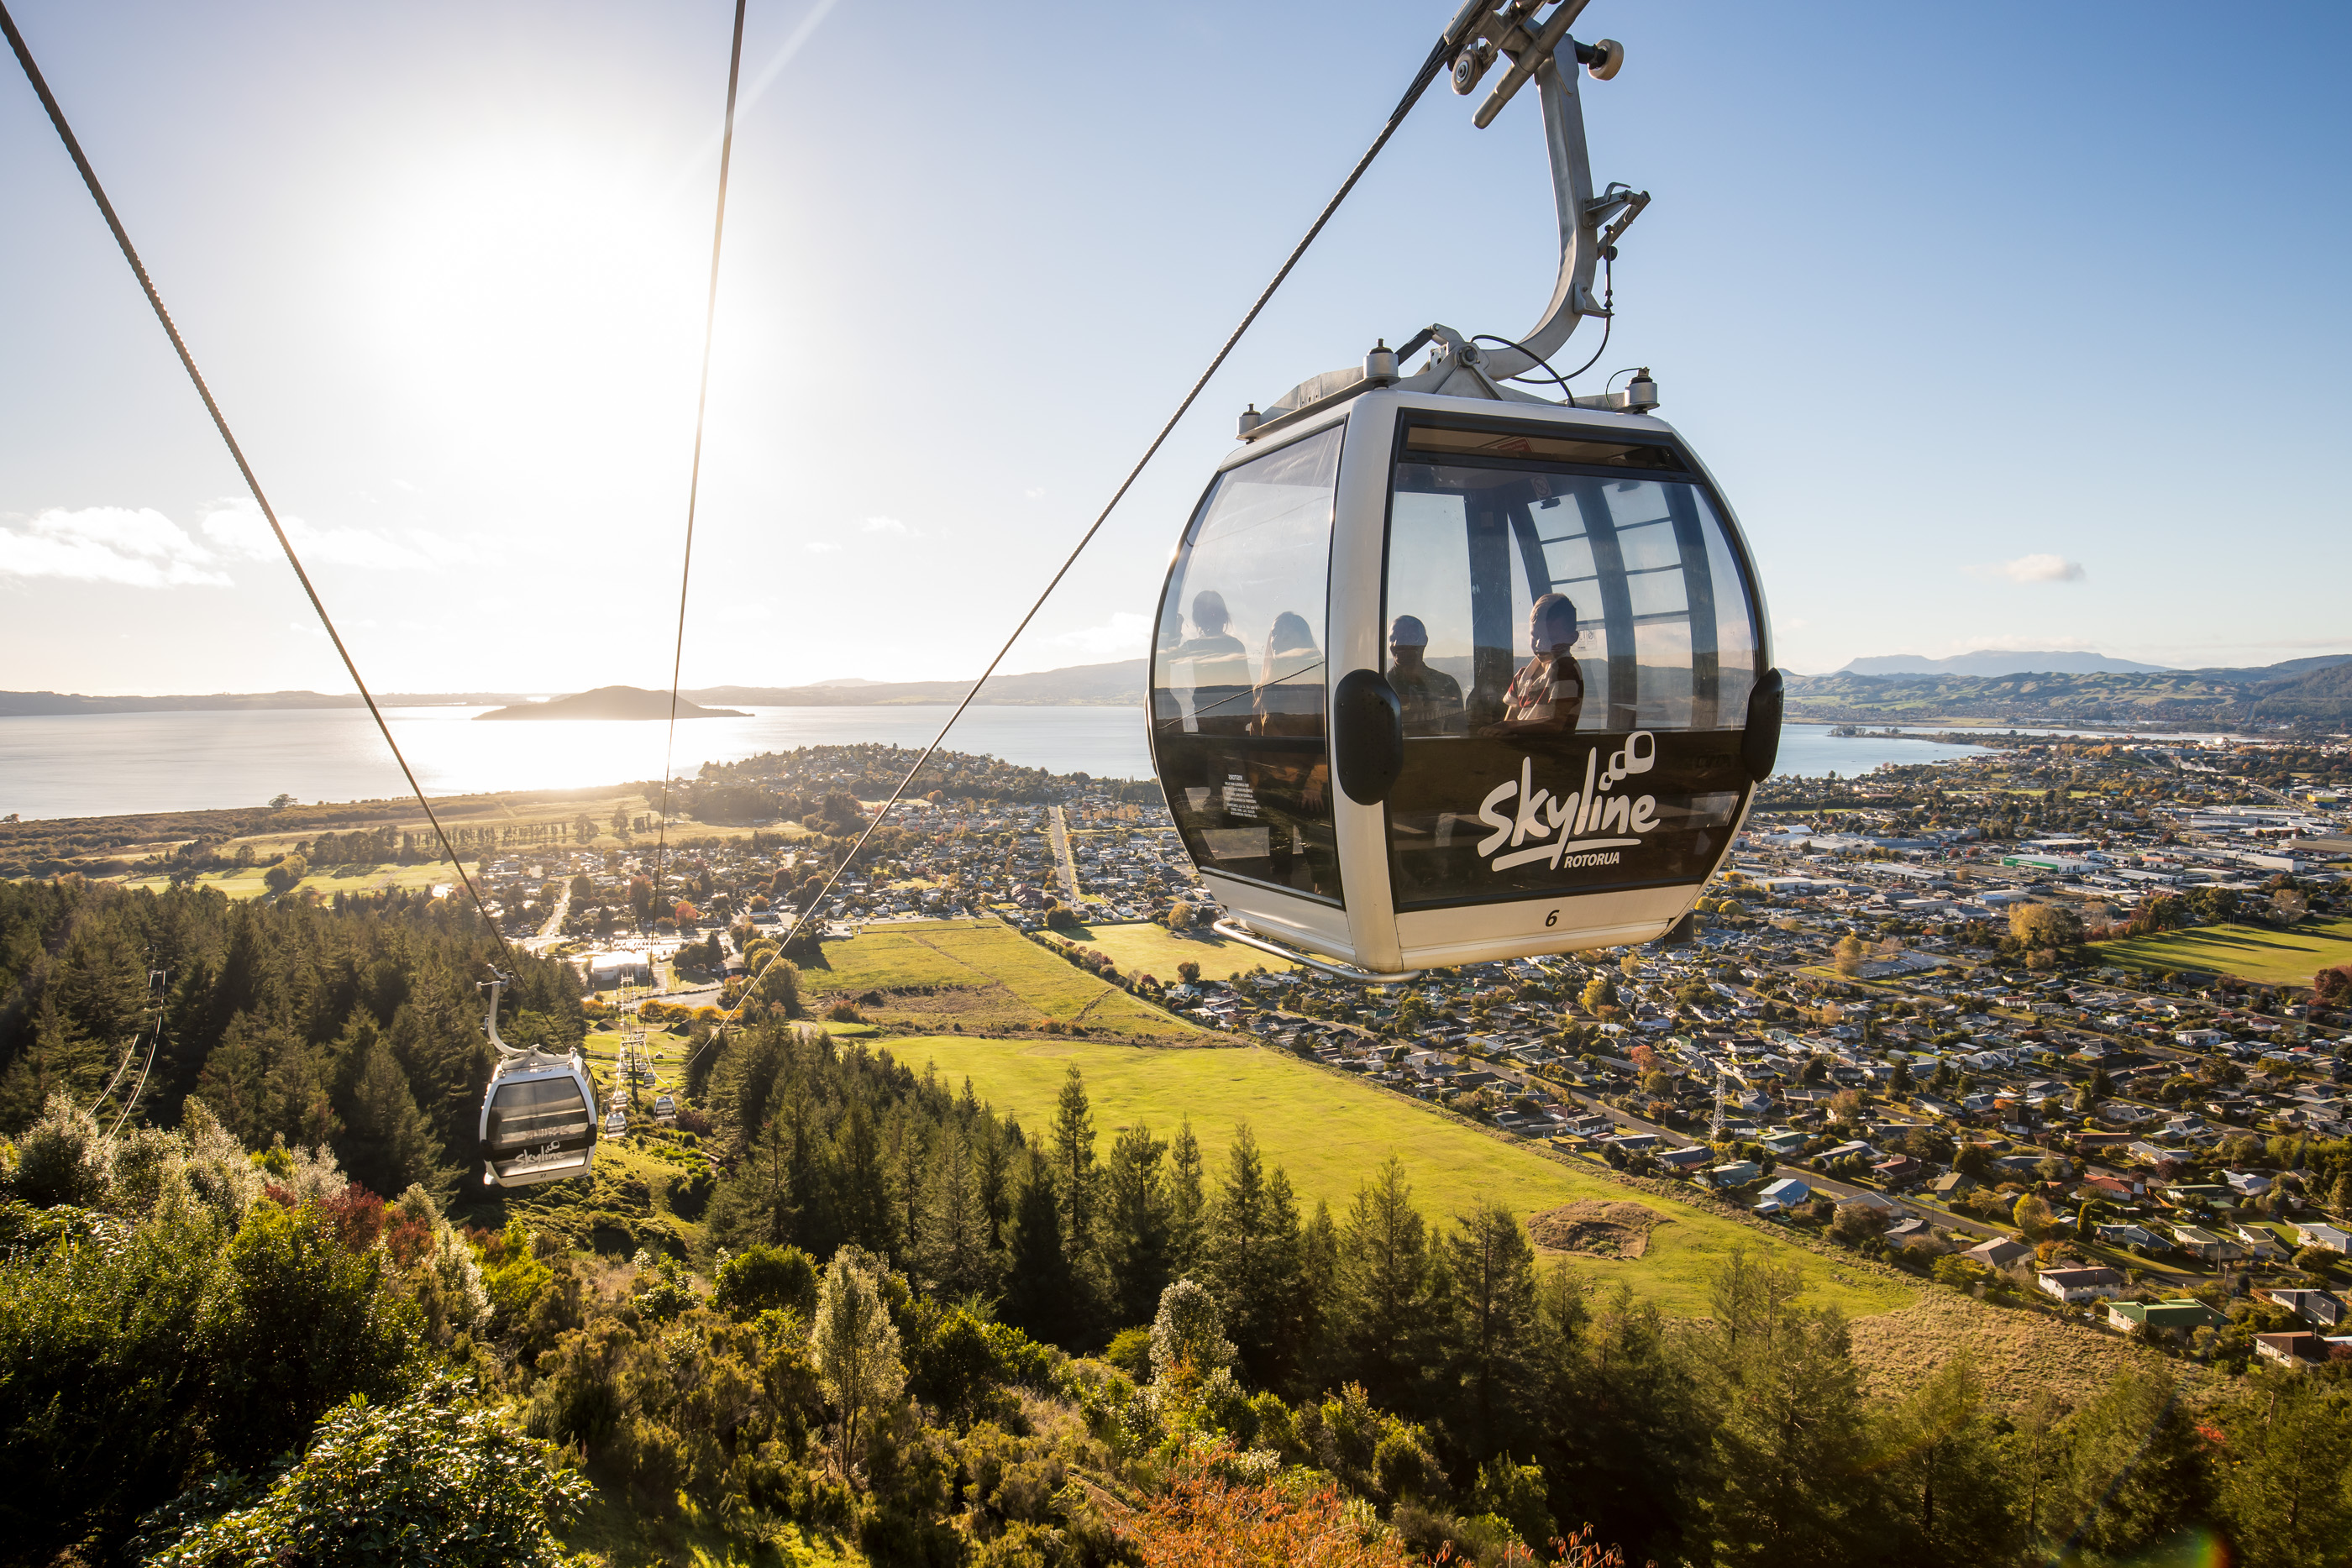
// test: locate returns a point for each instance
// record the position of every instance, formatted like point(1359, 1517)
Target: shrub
point(764, 1279)
point(426, 1480)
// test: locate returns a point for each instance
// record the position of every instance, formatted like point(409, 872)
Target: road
point(1058, 834)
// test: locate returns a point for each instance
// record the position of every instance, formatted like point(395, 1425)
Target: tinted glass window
point(1591, 747)
point(1238, 672)
point(537, 1110)
point(1665, 638)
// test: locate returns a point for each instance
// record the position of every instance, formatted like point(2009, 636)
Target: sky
point(2024, 334)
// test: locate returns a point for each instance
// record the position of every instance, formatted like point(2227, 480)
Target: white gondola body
point(1459, 512)
point(539, 1120)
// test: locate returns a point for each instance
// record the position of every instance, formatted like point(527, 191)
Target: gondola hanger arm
point(1543, 52)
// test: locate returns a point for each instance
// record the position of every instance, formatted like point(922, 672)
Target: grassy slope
point(993, 975)
point(2281, 957)
point(1330, 1131)
point(247, 883)
point(1156, 951)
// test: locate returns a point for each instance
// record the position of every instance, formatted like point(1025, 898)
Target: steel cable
point(220, 422)
point(694, 479)
point(1438, 55)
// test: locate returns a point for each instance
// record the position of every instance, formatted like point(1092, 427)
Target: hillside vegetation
point(2291, 694)
point(855, 1309)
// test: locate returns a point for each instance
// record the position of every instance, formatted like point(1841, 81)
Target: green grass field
point(2280, 957)
point(245, 882)
point(979, 972)
point(1329, 1131)
point(1155, 950)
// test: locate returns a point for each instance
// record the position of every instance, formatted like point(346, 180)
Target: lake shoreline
point(93, 766)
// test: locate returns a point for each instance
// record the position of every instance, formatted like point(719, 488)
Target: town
point(1916, 1012)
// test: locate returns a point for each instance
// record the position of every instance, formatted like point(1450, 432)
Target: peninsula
point(611, 702)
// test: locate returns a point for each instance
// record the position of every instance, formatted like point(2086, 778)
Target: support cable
point(153, 1046)
point(694, 479)
point(220, 422)
point(1438, 57)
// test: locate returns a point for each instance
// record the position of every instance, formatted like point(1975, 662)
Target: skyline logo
point(1615, 821)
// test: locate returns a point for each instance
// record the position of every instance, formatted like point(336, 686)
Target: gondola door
point(1574, 648)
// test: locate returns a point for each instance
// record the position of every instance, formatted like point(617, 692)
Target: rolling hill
point(2301, 691)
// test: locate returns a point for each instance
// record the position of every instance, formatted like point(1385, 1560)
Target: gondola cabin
point(1440, 679)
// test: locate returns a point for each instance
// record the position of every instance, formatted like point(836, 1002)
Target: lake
point(97, 764)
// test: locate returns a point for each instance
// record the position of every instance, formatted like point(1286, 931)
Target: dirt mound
point(1596, 1229)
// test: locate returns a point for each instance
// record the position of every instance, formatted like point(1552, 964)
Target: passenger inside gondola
point(1290, 691)
point(1546, 696)
point(1431, 698)
point(1215, 666)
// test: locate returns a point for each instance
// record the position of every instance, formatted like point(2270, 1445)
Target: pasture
point(2288, 957)
point(245, 881)
point(1149, 949)
point(1329, 1131)
point(979, 973)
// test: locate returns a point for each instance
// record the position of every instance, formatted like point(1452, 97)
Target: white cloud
point(1034, 492)
point(884, 526)
point(2033, 568)
point(1125, 633)
point(821, 547)
point(237, 525)
point(141, 548)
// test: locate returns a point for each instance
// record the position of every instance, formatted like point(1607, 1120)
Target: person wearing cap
point(1431, 699)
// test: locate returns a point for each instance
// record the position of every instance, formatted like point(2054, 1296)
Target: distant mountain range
point(2299, 691)
point(1078, 685)
point(2311, 691)
point(1998, 662)
point(1085, 685)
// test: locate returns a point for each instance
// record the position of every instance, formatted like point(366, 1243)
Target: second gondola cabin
point(1443, 679)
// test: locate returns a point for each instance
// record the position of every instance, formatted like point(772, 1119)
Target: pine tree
point(1254, 1256)
point(1953, 1501)
point(1074, 1164)
point(1382, 1320)
point(862, 1207)
point(1187, 1204)
point(2135, 1468)
point(956, 1243)
point(1137, 1223)
point(1788, 1483)
point(386, 1142)
point(906, 1159)
point(1037, 1282)
point(1492, 1309)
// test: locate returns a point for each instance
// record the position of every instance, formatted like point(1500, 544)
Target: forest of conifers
point(243, 1327)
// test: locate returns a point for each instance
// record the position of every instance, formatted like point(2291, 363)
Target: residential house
point(1900, 1171)
point(2299, 1349)
point(2205, 1245)
point(1877, 1203)
point(2180, 1315)
point(2258, 1242)
point(1788, 1192)
point(2073, 1285)
point(2311, 1233)
point(1782, 1144)
point(2315, 1307)
point(1685, 1160)
point(2000, 1253)
point(2126, 1236)
point(1857, 1150)
point(1737, 1173)
point(2246, 1184)
point(1950, 1184)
